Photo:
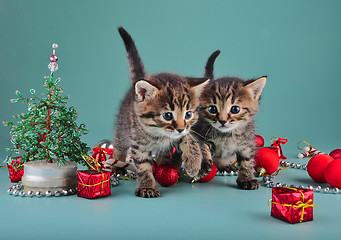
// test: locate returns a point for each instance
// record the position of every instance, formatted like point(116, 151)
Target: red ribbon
point(277, 144)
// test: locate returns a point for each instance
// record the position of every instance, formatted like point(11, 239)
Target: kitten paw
point(147, 192)
point(191, 169)
point(249, 185)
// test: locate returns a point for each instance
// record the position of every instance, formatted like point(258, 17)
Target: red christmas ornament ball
point(259, 140)
point(317, 165)
point(336, 154)
point(166, 174)
point(332, 174)
point(210, 175)
point(268, 159)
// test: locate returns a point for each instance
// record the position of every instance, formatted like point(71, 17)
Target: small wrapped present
point(16, 170)
point(93, 184)
point(292, 205)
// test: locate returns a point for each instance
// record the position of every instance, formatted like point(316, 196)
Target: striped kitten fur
point(155, 116)
point(226, 123)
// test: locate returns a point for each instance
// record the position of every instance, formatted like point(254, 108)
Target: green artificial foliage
point(48, 130)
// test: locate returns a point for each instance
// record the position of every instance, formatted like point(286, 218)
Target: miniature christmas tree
point(49, 129)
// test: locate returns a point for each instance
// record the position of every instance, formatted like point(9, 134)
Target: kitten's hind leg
point(147, 187)
point(245, 179)
point(228, 164)
point(120, 154)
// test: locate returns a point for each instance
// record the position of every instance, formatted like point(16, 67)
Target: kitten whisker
point(197, 133)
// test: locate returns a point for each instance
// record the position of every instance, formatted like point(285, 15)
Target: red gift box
point(93, 184)
point(292, 205)
point(16, 170)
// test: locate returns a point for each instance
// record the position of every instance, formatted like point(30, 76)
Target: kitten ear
point(198, 84)
point(145, 90)
point(256, 86)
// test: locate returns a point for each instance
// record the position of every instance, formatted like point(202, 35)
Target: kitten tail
point(137, 71)
point(209, 68)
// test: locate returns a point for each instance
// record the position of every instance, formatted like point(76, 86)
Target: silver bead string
point(268, 180)
point(17, 190)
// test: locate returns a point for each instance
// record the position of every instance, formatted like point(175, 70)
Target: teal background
point(295, 43)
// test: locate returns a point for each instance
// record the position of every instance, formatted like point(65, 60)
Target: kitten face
point(230, 103)
point(166, 105)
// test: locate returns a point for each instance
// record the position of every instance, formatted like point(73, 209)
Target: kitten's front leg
point(206, 165)
point(245, 179)
point(147, 186)
point(191, 155)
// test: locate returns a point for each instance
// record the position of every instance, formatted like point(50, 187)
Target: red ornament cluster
point(317, 165)
point(326, 168)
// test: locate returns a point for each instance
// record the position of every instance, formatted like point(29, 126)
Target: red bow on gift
point(277, 145)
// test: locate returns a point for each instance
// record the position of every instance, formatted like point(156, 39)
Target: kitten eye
point(212, 109)
point(235, 109)
point(188, 115)
point(167, 116)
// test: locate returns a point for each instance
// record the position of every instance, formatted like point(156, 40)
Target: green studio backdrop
point(295, 43)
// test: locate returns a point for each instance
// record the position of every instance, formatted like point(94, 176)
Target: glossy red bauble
point(336, 154)
point(259, 140)
point(210, 175)
point(317, 165)
point(266, 158)
point(332, 174)
point(166, 174)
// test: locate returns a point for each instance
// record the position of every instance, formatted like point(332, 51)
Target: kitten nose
point(180, 130)
point(222, 122)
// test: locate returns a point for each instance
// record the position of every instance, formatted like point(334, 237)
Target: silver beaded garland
point(16, 190)
point(326, 190)
point(268, 183)
point(30, 193)
point(225, 173)
point(72, 191)
point(336, 190)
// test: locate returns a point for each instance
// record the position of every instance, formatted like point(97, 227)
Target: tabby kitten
point(226, 124)
point(156, 115)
